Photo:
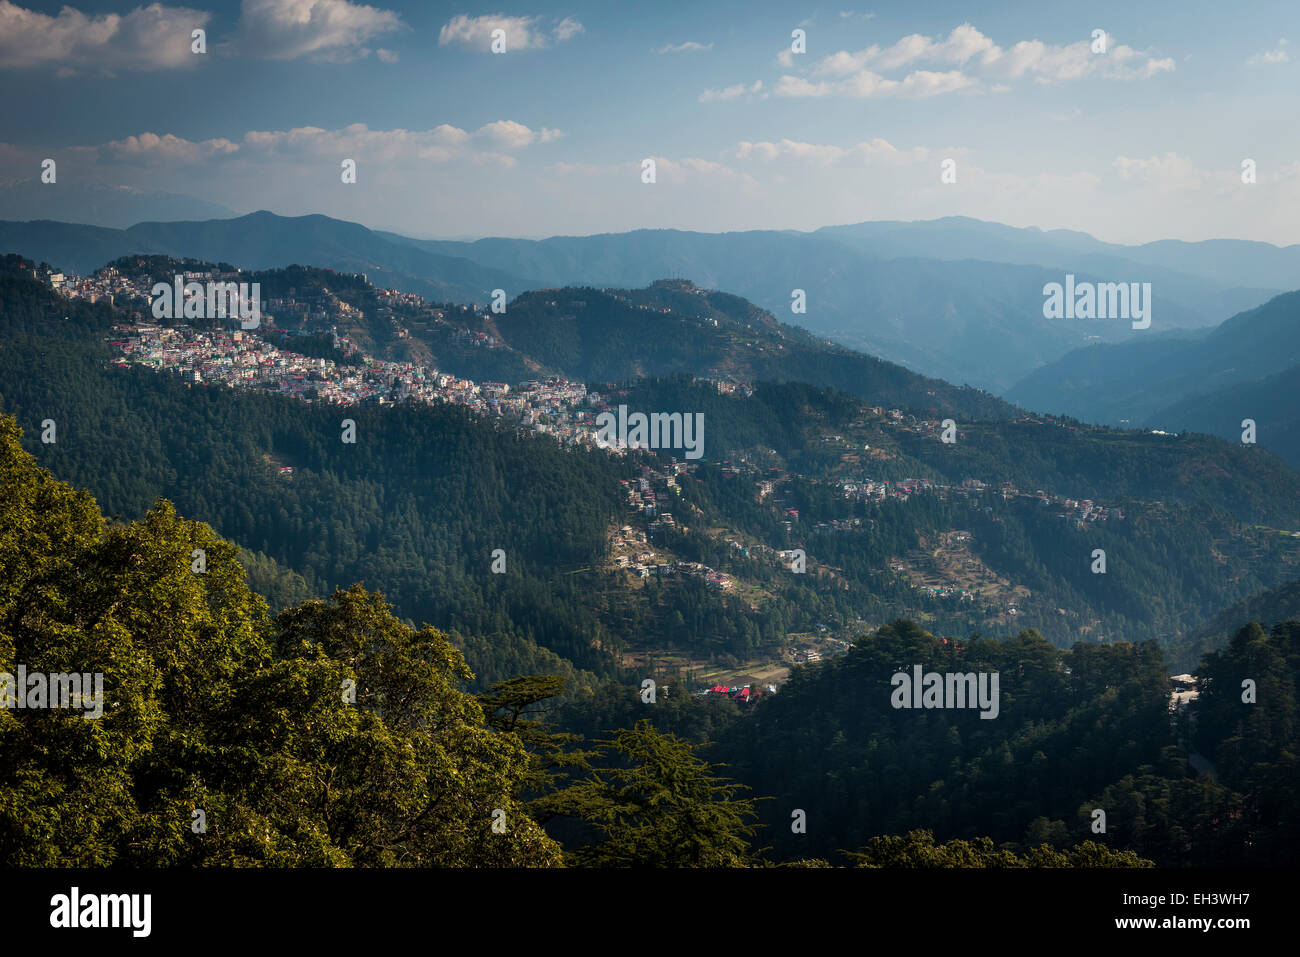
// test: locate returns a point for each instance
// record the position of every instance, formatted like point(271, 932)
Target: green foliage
point(1267, 607)
point(653, 803)
point(514, 707)
point(210, 705)
point(830, 742)
point(917, 849)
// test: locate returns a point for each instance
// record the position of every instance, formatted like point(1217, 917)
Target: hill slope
point(1134, 381)
point(1268, 608)
point(1273, 403)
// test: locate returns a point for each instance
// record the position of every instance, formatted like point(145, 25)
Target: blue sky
point(1142, 142)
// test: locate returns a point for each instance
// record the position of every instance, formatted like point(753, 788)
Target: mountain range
point(954, 298)
point(1210, 381)
point(97, 204)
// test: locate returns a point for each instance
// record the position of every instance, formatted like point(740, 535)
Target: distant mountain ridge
point(113, 207)
point(1247, 368)
point(263, 240)
point(954, 298)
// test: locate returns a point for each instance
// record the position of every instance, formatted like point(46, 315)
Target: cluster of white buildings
point(236, 358)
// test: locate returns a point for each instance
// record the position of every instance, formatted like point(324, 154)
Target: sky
point(1143, 141)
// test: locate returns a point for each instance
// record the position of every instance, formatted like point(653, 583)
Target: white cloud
point(693, 168)
point(441, 144)
point(147, 38)
point(731, 92)
point(690, 46)
point(150, 147)
point(1054, 64)
point(319, 29)
point(922, 83)
point(521, 33)
point(797, 86)
point(490, 144)
point(972, 59)
point(509, 135)
point(1279, 55)
point(866, 84)
point(821, 154)
point(1167, 172)
point(567, 29)
point(961, 44)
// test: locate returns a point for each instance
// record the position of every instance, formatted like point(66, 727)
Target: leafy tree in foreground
point(656, 804)
point(513, 707)
point(209, 706)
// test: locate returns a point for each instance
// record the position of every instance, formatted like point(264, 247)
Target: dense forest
point(333, 734)
point(388, 510)
point(674, 327)
point(1078, 730)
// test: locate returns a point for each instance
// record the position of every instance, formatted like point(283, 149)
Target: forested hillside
point(330, 735)
point(414, 507)
point(673, 326)
point(1268, 607)
point(1189, 520)
point(417, 506)
point(586, 334)
point(335, 735)
point(1078, 731)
